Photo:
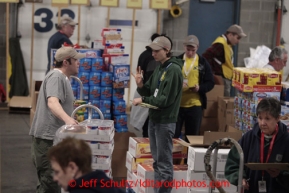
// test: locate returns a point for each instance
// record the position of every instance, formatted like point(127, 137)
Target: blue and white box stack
point(245, 108)
point(120, 69)
point(97, 84)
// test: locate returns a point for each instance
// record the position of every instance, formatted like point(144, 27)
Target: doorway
point(208, 20)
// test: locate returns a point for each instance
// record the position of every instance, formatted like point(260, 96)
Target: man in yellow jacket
point(220, 55)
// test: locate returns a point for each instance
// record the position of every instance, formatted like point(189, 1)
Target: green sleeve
point(232, 167)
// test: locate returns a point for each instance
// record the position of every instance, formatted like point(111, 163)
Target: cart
point(89, 110)
point(211, 171)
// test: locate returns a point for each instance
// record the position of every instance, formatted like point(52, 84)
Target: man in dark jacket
point(198, 80)
point(66, 28)
point(163, 90)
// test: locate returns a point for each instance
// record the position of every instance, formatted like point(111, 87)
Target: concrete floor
point(18, 174)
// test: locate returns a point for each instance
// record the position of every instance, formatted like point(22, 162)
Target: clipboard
point(265, 166)
point(146, 105)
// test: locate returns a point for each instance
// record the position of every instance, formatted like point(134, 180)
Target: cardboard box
point(256, 88)
point(203, 182)
point(88, 136)
point(121, 141)
point(196, 159)
point(132, 162)
point(225, 112)
point(132, 180)
point(210, 137)
point(211, 110)
point(101, 148)
point(226, 102)
point(103, 166)
point(218, 90)
point(145, 173)
point(140, 147)
point(209, 124)
point(218, 80)
point(230, 128)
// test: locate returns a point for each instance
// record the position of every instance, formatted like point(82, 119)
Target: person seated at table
point(267, 142)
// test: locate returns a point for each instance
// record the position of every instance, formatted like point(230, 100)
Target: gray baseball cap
point(161, 42)
point(237, 30)
point(67, 52)
point(191, 40)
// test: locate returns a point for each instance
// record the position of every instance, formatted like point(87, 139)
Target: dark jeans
point(39, 151)
point(192, 116)
point(145, 128)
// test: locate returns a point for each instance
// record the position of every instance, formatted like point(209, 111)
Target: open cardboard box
point(210, 137)
point(230, 128)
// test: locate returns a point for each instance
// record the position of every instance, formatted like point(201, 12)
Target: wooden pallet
point(20, 104)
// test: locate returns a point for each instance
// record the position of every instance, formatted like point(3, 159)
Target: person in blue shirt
point(65, 28)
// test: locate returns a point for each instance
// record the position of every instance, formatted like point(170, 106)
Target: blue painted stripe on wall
point(117, 22)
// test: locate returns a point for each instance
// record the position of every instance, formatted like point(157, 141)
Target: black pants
point(145, 128)
point(192, 116)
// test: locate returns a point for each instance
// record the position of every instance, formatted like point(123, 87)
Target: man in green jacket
point(163, 90)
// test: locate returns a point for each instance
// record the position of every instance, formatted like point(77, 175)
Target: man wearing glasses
point(277, 59)
point(65, 28)
point(220, 55)
point(54, 109)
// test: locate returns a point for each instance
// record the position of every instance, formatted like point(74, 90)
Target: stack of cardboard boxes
point(139, 163)
point(197, 175)
point(99, 135)
point(225, 112)
point(253, 85)
point(210, 114)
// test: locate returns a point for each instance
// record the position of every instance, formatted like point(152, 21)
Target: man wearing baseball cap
point(163, 90)
point(54, 108)
point(220, 55)
point(65, 28)
point(198, 80)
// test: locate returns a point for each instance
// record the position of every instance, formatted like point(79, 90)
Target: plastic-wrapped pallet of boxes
point(253, 84)
point(196, 173)
point(117, 63)
point(139, 164)
point(99, 136)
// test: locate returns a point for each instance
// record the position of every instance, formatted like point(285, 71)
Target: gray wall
point(257, 17)
point(258, 21)
point(177, 28)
